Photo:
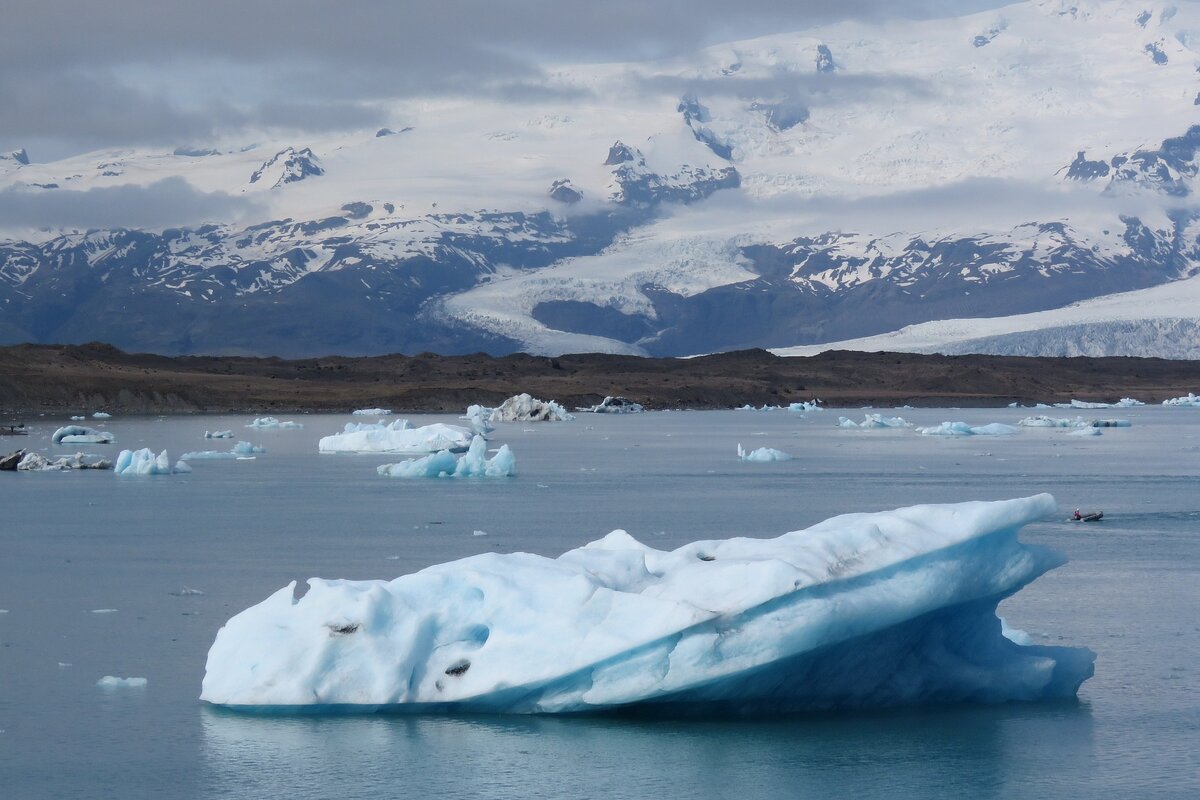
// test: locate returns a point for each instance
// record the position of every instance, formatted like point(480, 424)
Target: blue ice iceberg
point(862, 610)
point(472, 464)
point(963, 429)
point(763, 454)
point(145, 462)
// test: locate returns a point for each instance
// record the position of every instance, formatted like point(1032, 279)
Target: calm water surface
point(71, 544)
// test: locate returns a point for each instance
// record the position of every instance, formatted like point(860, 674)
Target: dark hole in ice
point(458, 667)
point(342, 630)
point(705, 557)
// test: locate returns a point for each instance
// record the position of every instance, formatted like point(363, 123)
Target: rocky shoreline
point(62, 378)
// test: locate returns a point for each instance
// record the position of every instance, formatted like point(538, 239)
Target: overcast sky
point(78, 75)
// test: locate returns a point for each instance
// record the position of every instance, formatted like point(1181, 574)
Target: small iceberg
point(614, 405)
point(1189, 399)
point(804, 407)
point(874, 422)
point(113, 682)
point(480, 419)
point(526, 408)
point(472, 464)
point(237, 451)
point(371, 412)
point(78, 418)
point(1042, 421)
point(36, 462)
point(764, 407)
point(270, 423)
point(218, 434)
point(963, 429)
point(145, 462)
point(78, 434)
point(874, 610)
point(398, 437)
point(101, 415)
point(1124, 402)
point(763, 454)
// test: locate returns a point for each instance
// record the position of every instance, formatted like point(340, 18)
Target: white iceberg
point(963, 429)
point(1042, 421)
point(480, 419)
point(113, 682)
point(472, 464)
point(78, 418)
point(218, 434)
point(1124, 402)
point(371, 412)
point(272, 423)
point(143, 462)
point(78, 434)
point(237, 451)
point(398, 437)
point(182, 467)
point(763, 407)
point(101, 415)
point(614, 405)
point(526, 408)
point(36, 462)
point(874, 422)
point(1187, 400)
point(762, 454)
point(862, 610)
point(804, 407)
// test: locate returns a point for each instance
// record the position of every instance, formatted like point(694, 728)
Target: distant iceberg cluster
point(372, 412)
point(269, 423)
point(1187, 400)
point(472, 464)
point(36, 462)
point(614, 405)
point(860, 611)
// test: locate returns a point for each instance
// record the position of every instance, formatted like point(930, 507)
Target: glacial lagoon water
point(94, 568)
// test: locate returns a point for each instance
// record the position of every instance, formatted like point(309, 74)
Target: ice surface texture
point(862, 610)
point(398, 437)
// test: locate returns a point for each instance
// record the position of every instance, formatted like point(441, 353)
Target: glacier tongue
point(862, 610)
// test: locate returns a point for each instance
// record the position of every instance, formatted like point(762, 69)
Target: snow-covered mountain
point(792, 190)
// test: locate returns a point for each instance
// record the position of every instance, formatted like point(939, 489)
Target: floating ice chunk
point(398, 437)
point(764, 407)
point(1088, 431)
point(143, 462)
point(479, 417)
point(1042, 421)
point(186, 592)
point(113, 682)
point(1189, 399)
point(102, 611)
point(1124, 402)
point(525, 408)
point(208, 455)
point(963, 429)
point(101, 415)
point(78, 434)
point(803, 407)
point(874, 422)
point(372, 412)
point(1127, 402)
point(479, 533)
point(36, 462)
point(863, 610)
point(246, 449)
point(182, 467)
point(762, 454)
point(78, 418)
point(472, 464)
point(272, 423)
point(1111, 423)
point(218, 434)
point(614, 405)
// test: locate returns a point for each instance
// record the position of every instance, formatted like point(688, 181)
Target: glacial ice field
point(134, 578)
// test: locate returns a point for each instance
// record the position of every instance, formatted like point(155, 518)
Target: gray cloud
point(76, 74)
point(163, 204)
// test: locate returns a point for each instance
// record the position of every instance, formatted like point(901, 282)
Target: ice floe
point(614, 405)
point(805, 407)
point(472, 464)
point(239, 450)
point(397, 437)
point(101, 415)
point(1189, 399)
point(218, 434)
point(963, 429)
point(526, 408)
point(874, 422)
point(1088, 431)
point(269, 423)
point(113, 682)
point(762, 454)
point(78, 434)
point(144, 462)
point(1124, 402)
point(1042, 421)
point(36, 462)
point(372, 412)
point(862, 610)
point(764, 407)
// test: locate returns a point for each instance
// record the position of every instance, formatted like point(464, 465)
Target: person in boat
point(1077, 516)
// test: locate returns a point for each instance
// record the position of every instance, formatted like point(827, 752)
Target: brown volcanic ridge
point(71, 377)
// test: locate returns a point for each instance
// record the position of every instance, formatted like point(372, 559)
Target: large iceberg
point(1124, 402)
point(963, 429)
point(526, 408)
point(78, 434)
point(145, 462)
point(472, 464)
point(398, 437)
point(36, 462)
point(862, 610)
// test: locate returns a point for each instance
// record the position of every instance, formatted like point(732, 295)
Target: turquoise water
point(74, 543)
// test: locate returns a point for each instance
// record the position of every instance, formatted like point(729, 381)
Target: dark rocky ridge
point(59, 378)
